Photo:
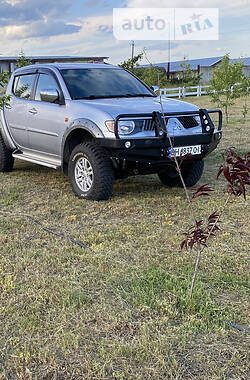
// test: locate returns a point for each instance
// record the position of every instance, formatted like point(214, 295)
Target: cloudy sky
point(84, 28)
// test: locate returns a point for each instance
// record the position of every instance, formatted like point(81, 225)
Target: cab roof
point(63, 66)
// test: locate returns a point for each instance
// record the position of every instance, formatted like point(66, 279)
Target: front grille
point(188, 121)
point(148, 124)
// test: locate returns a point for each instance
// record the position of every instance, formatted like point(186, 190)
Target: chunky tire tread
point(191, 175)
point(6, 159)
point(103, 172)
point(169, 181)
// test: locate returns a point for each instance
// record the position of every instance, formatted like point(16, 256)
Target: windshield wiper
point(87, 97)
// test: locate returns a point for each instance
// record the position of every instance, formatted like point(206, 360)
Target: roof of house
point(246, 61)
point(52, 58)
point(202, 62)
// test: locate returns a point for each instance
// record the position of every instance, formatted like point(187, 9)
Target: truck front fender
point(83, 127)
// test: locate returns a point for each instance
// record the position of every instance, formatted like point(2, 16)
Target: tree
point(22, 60)
point(245, 87)
point(4, 78)
point(152, 75)
point(131, 63)
point(225, 84)
point(187, 76)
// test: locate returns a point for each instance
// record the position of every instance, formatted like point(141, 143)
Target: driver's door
point(46, 121)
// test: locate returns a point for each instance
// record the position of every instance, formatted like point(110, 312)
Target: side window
point(23, 85)
point(45, 82)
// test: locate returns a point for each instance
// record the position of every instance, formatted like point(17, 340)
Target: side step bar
point(54, 164)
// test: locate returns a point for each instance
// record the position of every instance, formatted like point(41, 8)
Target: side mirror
point(155, 88)
point(50, 96)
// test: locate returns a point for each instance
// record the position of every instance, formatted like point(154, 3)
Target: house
point(9, 63)
point(202, 66)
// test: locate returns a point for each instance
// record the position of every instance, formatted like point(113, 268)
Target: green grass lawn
point(121, 310)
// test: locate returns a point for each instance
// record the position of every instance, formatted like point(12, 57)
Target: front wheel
point(91, 173)
point(191, 174)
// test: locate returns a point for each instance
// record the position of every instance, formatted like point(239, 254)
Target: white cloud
point(95, 35)
point(228, 6)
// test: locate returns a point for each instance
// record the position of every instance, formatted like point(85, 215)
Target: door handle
point(33, 111)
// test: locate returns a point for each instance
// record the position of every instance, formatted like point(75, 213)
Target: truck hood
point(117, 106)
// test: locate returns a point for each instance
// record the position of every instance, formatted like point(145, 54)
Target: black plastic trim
point(157, 149)
point(160, 124)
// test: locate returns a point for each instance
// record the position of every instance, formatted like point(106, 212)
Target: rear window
point(23, 85)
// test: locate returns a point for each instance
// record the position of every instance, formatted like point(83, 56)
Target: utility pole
point(132, 53)
point(169, 51)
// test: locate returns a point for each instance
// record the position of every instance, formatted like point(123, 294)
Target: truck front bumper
point(157, 149)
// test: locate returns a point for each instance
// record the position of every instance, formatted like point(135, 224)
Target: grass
point(121, 311)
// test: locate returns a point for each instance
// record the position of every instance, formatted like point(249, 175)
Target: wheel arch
point(80, 130)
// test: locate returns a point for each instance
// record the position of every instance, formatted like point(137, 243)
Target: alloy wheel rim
point(84, 174)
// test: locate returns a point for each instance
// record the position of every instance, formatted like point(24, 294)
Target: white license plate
point(182, 150)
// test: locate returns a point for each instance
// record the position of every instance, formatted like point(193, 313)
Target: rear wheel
point(6, 159)
point(91, 173)
point(191, 174)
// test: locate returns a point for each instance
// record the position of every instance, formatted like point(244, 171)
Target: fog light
point(127, 144)
point(208, 128)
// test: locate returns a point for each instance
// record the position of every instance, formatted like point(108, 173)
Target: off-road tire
point(170, 177)
point(6, 159)
point(99, 164)
point(191, 173)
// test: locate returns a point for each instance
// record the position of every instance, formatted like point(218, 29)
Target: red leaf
point(201, 191)
point(183, 244)
point(226, 173)
point(235, 155)
point(220, 171)
point(185, 157)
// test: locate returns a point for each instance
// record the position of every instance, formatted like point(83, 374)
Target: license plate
point(182, 150)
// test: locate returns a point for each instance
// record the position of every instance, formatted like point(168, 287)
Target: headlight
point(125, 127)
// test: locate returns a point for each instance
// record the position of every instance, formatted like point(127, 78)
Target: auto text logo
point(166, 23)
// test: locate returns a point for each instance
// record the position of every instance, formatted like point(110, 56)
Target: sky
point(84, 28)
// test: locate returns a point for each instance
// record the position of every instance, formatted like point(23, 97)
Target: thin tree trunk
point(195, 271)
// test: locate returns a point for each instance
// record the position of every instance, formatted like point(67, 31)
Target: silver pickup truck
point(98, 122)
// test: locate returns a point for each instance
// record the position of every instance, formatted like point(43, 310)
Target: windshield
point(102, 83)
